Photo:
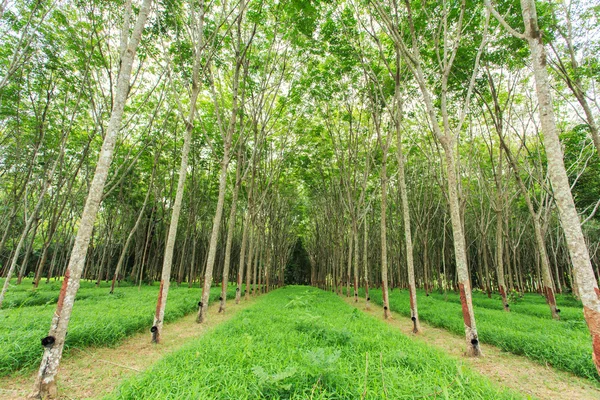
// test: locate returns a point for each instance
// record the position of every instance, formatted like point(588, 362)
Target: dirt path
point(95, 372)
point(515, 372)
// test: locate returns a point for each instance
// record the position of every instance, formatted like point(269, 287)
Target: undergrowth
point(303, 343)
point(100, 319)
point(532, 304)
point(564, 344)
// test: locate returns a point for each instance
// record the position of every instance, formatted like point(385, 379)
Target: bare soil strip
point(95, 372)
point(515, 372)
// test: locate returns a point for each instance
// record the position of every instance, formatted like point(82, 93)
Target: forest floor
point(515, 372)
point(96, 372)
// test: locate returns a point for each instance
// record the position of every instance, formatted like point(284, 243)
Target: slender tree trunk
point(45, 385)
point(230, 234)
point(212, 251)
point(355, 238)
point(582, 267)
point(414, 313)
point(462, 270)
point(257, 259)
point(500, 253)
point(499, 232)
point(349, 263)
point(366, 261)
point(23, 268)
point(249, 263)
point(384, 260)
point(240, 274)
point(486, 269)
point(168, 255)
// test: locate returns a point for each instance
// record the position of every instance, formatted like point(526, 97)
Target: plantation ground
point(95, 372)
point(526, 331)
point(515, 372)
point(99, 318)
point(304, 343)
point(296, 342)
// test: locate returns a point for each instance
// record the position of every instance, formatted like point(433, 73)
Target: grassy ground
point(531, 304)
point(564, 344)
point(516, 372)
point(99, 318)
point(303, 343)
point(24, 295)
point(94, 372)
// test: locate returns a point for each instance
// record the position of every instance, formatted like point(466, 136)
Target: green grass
point(530, 305)
point(24, 295)
point(565, 345)
point(304, 343)
point(100, 319)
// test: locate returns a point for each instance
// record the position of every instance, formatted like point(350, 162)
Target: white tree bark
point(230, 233)
point(582, 267)
point(408, 239)
point(214, 238)
point(165, 279)
point(45, 384)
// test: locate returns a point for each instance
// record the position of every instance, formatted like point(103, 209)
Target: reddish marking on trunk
point(502, 291)
point(159, 302)
point(63, 292)
point(463, 302)
point(593, 321)
point(412, 302)
point(597, 292)
point(549, 295)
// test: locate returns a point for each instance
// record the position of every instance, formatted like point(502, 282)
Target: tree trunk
point(384, 265)
point(240, 274)
point(462, 270)
point(414, 313)
point(582, 267)
point(366, 261)
point(230, 233)
point(45, 385)
point(168, 255)
point(212, 251)
point(252, 239)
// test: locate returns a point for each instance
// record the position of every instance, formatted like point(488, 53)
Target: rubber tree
point(440, 123)
point(231, 231)
point(227, 133)
point(197, 14)
point(580, 258)
point(45, 384)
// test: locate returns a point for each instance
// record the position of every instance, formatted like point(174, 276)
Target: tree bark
point(165, 281)
point(230, 233)
point(45, 384)
point(414, 313)
point(212, 251)
point(582, 266)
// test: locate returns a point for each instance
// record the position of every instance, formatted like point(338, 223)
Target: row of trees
point(120, 120)
point(411, 144)
point(453, 153)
